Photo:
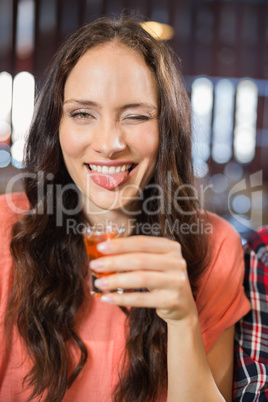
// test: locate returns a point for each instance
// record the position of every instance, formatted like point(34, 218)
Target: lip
point(110, 163)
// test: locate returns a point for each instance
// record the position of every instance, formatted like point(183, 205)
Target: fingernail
point(104, 246)
point(107, 299)
point(96, 263)
point(101, 282)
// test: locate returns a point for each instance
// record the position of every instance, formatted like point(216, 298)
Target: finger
point(158, 300)
point(138, 261)
point(142, 279)
point(147, 244)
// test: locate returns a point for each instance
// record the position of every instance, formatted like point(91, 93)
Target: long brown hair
point(50, 262)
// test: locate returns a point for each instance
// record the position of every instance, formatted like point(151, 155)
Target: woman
point(110, 141)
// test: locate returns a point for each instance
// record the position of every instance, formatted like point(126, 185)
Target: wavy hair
point(51, 265)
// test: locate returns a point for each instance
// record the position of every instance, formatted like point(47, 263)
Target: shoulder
point(226, 260)
point(12, 207)
point(259, 238)
point(256, 263)
point(223, 238)
point(13, 203)
point(220, 298)
point(221, 227)
point(225, 254)
point(257, 245)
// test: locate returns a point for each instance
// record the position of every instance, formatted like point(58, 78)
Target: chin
point(111, 201)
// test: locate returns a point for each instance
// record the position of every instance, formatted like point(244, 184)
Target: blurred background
point(223, 47)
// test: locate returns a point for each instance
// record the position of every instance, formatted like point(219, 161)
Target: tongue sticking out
point(109, 181)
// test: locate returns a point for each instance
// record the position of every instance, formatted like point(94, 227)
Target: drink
point(92, 236)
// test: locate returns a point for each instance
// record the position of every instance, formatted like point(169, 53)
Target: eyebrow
point(121, 108)
point(137, 105)
point(81, 102)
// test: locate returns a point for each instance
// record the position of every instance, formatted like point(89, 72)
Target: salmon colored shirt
point(221, 302)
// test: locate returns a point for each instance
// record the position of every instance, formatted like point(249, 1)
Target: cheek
point(149, 145)
point(71, 143)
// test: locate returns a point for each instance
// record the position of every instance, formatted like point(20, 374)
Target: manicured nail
point(104, 247)
point(101, 282)
point(107, 299)
point(96, 263)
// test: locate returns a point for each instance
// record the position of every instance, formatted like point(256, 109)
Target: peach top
point(221, 302)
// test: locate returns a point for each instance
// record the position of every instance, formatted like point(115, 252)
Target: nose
point(108, 139)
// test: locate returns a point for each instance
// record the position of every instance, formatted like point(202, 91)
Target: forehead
point(111, 67)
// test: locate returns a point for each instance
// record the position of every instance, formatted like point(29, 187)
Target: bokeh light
point(23, 106)
point(202, 104)
point(245, 121)
point(223, 121)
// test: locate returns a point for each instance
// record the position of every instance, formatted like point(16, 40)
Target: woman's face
point(109, 132)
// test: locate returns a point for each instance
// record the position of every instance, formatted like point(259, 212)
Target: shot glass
point(92, 236)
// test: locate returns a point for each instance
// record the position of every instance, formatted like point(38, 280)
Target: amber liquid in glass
point(92, 252)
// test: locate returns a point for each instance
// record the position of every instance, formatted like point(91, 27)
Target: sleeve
point(221, 300)
point(251, 333)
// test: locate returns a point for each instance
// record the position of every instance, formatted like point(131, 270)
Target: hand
point(154, 263)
